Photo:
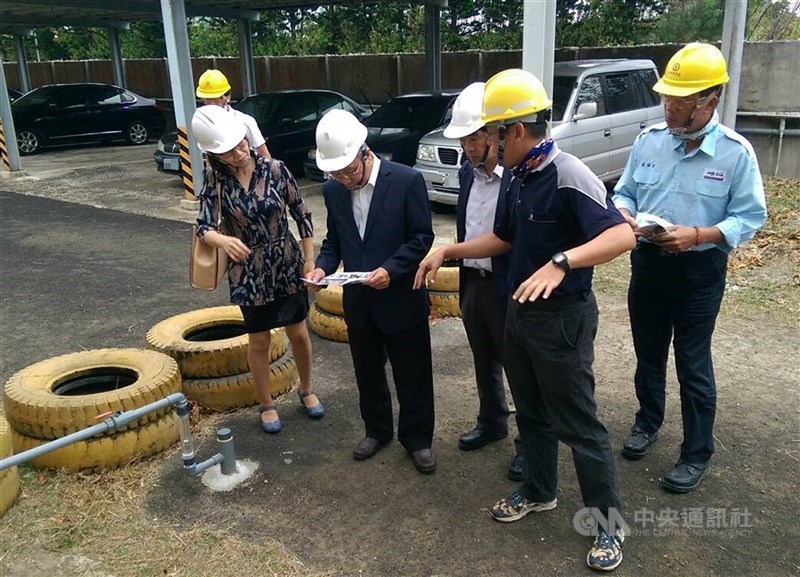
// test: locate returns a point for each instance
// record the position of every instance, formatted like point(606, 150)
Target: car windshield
point(562, 89)
point(416, 112)
point(261, 106)
point(37, 96)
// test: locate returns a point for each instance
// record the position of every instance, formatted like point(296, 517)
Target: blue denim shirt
point(717, 184)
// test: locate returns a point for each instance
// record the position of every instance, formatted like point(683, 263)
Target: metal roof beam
point(36, 21)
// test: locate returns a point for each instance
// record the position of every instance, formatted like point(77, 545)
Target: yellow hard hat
point(212, 84)
point(692, 69)
point(514, 94)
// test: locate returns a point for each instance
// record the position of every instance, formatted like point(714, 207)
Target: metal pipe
point(769, 131)
point(111, 424)
point(780, 145)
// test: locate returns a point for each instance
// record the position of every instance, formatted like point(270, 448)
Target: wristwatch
point(561, 261)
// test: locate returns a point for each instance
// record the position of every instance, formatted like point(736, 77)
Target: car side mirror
point(585, 110)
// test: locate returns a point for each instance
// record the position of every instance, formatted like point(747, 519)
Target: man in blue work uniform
point(703, 179)
point(483, 285)
point(558, 226)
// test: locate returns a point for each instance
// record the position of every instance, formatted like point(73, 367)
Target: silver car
point(599, 107)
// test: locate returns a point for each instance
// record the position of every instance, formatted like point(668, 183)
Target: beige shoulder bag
point(207, 263)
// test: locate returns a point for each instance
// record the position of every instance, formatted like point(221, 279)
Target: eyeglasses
point(683, 101)
point(234, 152)
point(345, 173)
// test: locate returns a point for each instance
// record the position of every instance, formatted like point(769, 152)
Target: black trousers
point(483, 312)
point(676, 297)
point(409, 353)
point(549, 356)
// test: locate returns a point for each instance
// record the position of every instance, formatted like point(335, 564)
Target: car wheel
point(28, 142)
point(137, 133)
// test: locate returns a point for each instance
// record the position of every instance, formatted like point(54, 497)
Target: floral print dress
point(259, 218)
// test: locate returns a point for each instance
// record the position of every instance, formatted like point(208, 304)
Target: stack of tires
point(326, 316)
point(9, 479)
point(443, 292)
point(62, 395)
point(210, 346)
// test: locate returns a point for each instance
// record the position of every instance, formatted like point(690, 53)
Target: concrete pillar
point(180, 76)
point(733, 28)
point(433, 47)
point(246, 57)
point(8, 144)
point(539, 40)
point(22, 64)
point(116, 58)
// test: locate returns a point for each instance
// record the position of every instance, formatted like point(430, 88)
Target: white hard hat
point(466, 117)
point(216, 129)
point(339, 138)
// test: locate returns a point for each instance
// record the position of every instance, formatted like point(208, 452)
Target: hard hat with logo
point(467, 108)
point(339, 138)
point(692, 69)
point(217, 130)
point(514, 95)
point(212, 84)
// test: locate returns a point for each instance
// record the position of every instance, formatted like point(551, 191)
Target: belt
point(483, 273)
point(555, 303)
point(654, 249)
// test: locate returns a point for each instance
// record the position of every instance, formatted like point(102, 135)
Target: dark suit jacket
point(398, 235)
point(500, 263)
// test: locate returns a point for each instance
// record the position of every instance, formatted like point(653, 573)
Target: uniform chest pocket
point(539, 217)
point(712, 188)
point(646, 175)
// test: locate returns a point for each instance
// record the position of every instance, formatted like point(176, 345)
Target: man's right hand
point(315, 275)
point(429, 265)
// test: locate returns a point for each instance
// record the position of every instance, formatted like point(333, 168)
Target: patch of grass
point(101, 516)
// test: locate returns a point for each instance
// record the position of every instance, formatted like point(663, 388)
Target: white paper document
point(649, 225)
point(341, 278)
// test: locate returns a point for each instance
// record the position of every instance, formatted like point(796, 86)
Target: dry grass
point(101, 516)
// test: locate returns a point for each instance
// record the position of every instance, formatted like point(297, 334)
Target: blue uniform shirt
point(560, 205)
point(717, 184)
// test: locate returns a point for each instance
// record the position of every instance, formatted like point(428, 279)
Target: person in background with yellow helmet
point(483, 291)
point(703, 177)
point(213, 88)
point(558, 225)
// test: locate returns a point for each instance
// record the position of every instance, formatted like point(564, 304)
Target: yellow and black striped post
point(186, 163)
point(4, 148)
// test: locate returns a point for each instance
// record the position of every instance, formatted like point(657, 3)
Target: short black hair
point(536, 129)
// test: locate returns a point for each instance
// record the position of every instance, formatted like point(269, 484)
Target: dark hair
point(709, 91)
point(216, 164)
point(536, 129)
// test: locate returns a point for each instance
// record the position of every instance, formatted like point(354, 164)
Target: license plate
point(171, 163)
point(451, 181)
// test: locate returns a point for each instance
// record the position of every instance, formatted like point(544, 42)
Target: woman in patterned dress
point(265, 264)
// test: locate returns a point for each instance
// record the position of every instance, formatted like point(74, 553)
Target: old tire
point(329, 300)
point(326, 325)
point(236, 391)
point(61, 395)
point(108, 451)
point(9, 479)
point(209, 342)
point(444, 304)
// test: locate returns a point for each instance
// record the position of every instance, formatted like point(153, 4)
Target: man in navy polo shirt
point(557, 225)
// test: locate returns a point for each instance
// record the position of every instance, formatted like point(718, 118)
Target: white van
point(599, 107)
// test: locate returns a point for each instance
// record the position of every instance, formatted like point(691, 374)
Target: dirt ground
point(75, 275)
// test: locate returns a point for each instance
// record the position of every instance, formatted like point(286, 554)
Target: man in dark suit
point(379, 222)
point(483, 283)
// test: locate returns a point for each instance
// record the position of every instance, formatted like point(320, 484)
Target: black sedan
point(64, 113)
point(287, 119)
point(396, 127)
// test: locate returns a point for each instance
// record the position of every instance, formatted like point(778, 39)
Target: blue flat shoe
point(315, 412)
point(274, 426)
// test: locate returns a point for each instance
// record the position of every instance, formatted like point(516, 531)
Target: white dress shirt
point(361, 198)
point(481, 209)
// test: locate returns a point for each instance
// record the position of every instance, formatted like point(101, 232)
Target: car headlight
point(426, 153)
point(160, 146)
point(312, 154)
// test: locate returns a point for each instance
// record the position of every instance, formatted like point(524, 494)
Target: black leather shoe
point(366, 448)
point(424, 461)
point(638, 443)
point(515, 468)
point(685, 477)
point(477, 438)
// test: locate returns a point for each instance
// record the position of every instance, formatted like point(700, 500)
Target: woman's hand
point(235, 248)
point(314, 276)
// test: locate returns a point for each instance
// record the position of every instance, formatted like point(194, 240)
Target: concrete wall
point(770, 79)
